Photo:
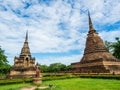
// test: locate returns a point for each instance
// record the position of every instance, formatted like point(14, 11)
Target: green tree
point(44, 68)
point(57, 67)
point(3, 58)
point(68, 67)
point(4, 66)
point(114, 47)
point(108, 46)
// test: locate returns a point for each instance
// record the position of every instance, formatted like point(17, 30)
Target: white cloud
point(59, 27)
point(110, 35)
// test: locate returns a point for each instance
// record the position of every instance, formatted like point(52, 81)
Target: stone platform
point(97, 66)
point(22, 72)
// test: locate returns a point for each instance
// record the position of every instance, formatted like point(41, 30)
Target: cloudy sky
point(57, 28)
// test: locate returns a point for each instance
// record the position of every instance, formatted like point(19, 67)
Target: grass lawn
point(73, 84)
point(84, 84)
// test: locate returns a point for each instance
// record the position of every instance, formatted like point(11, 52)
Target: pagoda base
point(97, 67)
point(22, 72)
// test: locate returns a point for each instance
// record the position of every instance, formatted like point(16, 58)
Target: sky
point(57, 28)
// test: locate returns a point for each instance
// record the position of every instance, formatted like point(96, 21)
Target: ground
point(84, 84)
point(71, 84)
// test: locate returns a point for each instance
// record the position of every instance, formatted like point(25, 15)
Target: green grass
point(84, 84)
point(14, 86)
point(72, 84)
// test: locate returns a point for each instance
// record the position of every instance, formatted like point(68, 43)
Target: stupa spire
point(91, 27)
point(25, 50)
point(26, 39)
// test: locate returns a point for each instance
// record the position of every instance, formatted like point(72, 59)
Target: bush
point(117, 77)
point(55, 76)
point(15, 81)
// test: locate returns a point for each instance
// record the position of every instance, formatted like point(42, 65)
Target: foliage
point(116, 50)
point(3, 58)
point(114, 47)
point(4, 66)
point(55, 67)
point(68, 67)
point(14, 86)
point(56, 76)
point(4, 69)
point(108, 46)
point(44, 68)
point(15, 81)
point(37, 88)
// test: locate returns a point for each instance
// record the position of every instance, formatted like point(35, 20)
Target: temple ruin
point(24, 65)
point(96, 57)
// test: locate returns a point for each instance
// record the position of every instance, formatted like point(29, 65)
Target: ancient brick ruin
point(24, 65)
point(96, 58)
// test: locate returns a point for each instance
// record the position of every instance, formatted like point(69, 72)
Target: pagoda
point(96, 58)
point(24, 65)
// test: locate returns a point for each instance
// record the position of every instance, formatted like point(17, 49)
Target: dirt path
point(33, 87)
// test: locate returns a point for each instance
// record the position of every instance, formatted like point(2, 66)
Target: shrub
point(15, 81)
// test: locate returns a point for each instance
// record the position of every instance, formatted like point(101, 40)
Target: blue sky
point(57, 28)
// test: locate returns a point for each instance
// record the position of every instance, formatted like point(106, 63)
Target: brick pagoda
point(24, 65)
point(96, 58)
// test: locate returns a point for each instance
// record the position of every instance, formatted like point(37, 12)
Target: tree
point(44, 68)
point(108, 46)
point(4, 66)
point(3, 58)
point(57, 67)
point(114, 47)
point(69, 67)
